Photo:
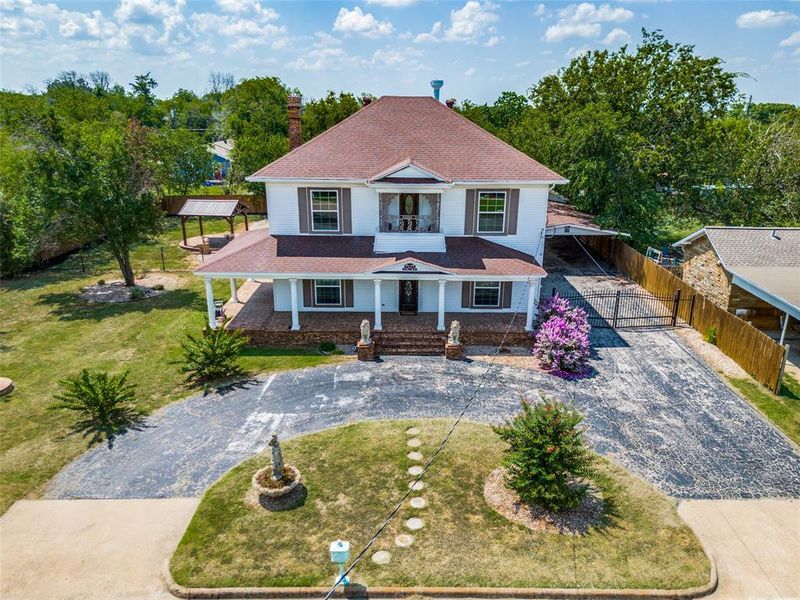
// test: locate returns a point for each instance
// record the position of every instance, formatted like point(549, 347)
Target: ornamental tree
point(546, 455)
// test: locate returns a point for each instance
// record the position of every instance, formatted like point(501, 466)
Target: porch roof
point(257, 252)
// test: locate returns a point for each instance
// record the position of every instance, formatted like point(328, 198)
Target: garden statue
point(365, 336)
point(455, 332)
point(277, 458)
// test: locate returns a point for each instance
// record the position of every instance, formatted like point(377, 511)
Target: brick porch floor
point(255, 317)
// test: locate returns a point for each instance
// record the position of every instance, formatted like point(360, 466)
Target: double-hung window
point(324, 210)
point(491, 212)
point(486, 293)
point(328, 292)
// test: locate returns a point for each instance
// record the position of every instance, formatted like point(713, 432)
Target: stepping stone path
point(415, 523)
point(416, 485)
point(382, 557)
point(403, 540)
point(414, 443)
point(418, 503)
point(412, 431)
point(415, 456)
point(415, 470)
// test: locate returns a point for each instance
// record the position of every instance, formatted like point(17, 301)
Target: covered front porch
point(254, 315)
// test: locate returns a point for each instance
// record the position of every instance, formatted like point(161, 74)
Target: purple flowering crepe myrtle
point(562, 339)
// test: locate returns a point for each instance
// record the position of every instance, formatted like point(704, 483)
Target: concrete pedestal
point(453, 351)
point(365, 351)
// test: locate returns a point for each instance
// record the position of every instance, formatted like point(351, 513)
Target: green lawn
point(48, 333)
point(783, 410)
point(355, 474)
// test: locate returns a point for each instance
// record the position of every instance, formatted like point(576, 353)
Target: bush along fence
point(256, 205)
point(751, 349)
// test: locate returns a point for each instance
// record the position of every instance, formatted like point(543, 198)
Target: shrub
point(107, 402)
point(327, 346)
point(546, 454)
point(553, 306)
point(214, 355)
point(562, 342)
point(158, 287)
point(711, 335)
point(101, 282)
point(137, 292)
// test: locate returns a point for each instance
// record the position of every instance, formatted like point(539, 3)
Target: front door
point(409, 212)
point(408, 297)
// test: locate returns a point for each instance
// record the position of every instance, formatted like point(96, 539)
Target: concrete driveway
point(651, 405)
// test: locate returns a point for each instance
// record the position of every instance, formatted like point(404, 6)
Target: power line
point(411, 488)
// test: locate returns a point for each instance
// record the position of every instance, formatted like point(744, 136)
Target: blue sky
point(479, 47)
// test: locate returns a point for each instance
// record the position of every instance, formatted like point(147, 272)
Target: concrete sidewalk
point(756, 544)
point(89, 549)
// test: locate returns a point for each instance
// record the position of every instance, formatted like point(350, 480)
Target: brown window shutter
point(505, 294)
point(347, 285)
point(512, 212)
point(308, 293)
point(346, 226)
point(302, 209)
point(470, 212)
point(466, 294)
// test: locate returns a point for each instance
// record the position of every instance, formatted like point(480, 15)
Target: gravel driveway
point(651, 405)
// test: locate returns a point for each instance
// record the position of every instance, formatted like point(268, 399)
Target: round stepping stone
point(381, 557)
point(415, 523)
point(415, 470)
point(414, 443)
point(416, 485)
point(417, 456)
point(418, 502)
point(6, 386)
point(412, 431)
point(404, 540)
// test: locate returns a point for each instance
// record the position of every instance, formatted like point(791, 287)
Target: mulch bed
point(117, 291)
point(575, 521)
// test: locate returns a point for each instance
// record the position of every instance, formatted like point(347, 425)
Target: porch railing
point(410, 224)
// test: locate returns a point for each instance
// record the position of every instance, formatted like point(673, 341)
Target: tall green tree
point(143, 92)
point(322, 114)
point(182, 160)
point(102, 176)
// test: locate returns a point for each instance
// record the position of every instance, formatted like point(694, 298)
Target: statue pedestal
point(365, 351)
point(453, 351)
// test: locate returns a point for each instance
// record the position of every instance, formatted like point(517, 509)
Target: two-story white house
point(404, 207)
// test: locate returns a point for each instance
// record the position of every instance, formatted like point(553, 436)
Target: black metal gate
point(624, 309)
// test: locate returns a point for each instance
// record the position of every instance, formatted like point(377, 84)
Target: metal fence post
point(691, 310)
point(675, 304)
point(163, 263)
point(616, 309)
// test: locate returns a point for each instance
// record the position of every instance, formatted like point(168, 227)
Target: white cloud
point(392, 3)
point(575, 52)
point(398, 58)
point(472, 22)
point(792, 40)
point(432, 36)
point(522, 63)
point(78, 25)
point(357, 21)
point(469, 72)
point(759, 19)
point(22, 27)
point(584, 20)
point(540, 10)
point(328, 59)
point(252, 7)
point(617, 36)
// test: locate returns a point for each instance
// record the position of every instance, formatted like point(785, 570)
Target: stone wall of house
point(703, 271)
point(761, 314)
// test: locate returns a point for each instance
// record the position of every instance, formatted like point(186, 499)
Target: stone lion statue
point(365, 335)
point(455, 333)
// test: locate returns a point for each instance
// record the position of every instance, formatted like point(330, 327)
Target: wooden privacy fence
point(256, 205)
point(753, 350)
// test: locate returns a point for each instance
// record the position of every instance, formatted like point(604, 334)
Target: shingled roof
point(414, 129)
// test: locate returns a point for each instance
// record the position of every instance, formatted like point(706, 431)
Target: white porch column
point(295, 316)
point(234, 291)
point(440, 323)
point(212, 311)
point(785, 326)
point(377, 325)
point(533, 291)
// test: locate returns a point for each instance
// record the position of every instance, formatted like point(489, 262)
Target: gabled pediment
point(411, 265)
point(410, 170)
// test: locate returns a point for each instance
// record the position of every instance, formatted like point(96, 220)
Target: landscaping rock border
point(275, 492)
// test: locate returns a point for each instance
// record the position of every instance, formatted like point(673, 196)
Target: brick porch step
point(410, 343)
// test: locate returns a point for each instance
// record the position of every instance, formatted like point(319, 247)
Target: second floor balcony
point(409, 213)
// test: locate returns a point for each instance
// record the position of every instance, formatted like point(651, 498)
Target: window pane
point(490, 222)
point(487, 293)
point(333, 282)
point(323, 200)
point(325, 221)
point(328, 291)
point(492, 202)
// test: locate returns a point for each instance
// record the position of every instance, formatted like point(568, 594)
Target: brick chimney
point(295, 133)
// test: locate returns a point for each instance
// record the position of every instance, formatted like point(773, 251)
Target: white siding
point(452, 211)
point(416, 242)
point(282, 209)
point(531, 222)
point(364, 210)
point(282, 295)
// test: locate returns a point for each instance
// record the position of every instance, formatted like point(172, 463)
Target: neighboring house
point(751, 271)
point(405, 206)
point(221, 153)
